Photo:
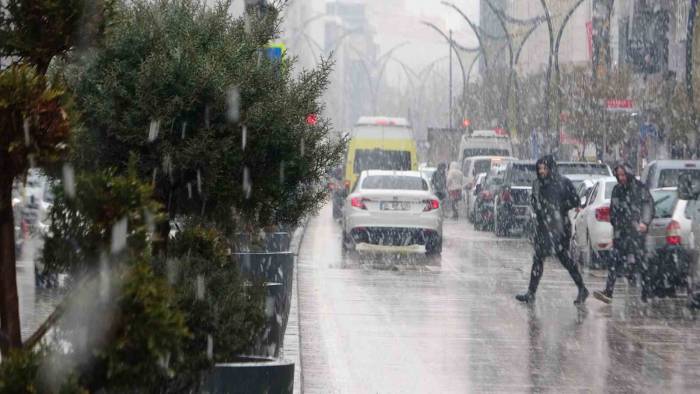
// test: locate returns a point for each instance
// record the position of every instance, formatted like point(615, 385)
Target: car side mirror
point(688, 188)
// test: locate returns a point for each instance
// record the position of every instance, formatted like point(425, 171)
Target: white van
point(484, 143)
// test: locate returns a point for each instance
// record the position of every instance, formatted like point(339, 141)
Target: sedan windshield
point(394, 182)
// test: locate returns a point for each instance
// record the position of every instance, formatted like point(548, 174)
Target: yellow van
point(380, 143)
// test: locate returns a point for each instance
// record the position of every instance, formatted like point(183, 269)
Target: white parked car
point(591, 242)
point(393, 208)
point(471, 195)
point(672, 222)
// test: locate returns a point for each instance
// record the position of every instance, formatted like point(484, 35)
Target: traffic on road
point(349, 196)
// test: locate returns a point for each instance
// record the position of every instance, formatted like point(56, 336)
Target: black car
point(511, 199)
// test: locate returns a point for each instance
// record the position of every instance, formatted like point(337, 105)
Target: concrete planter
point(250, 375)
point(273, 242)
point(275, 270)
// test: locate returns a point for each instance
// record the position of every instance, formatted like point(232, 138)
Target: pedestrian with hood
point(552, 197)
point(631, 212)
point(455, 182)
point(439, 183)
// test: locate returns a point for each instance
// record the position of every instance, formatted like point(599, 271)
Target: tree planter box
point(275, 270)
point(250, 375)
point(273, 242)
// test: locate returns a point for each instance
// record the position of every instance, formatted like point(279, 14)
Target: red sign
point(619, 104)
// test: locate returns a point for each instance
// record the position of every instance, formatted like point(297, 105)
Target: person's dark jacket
point(439, 181)
point(552, 197)
point(630, 204)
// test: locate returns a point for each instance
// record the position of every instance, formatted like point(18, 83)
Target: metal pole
point(449, 48)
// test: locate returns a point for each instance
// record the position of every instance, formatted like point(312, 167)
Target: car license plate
point(395, 206)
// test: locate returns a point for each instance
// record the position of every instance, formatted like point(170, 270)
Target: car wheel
point(434, 246)
point(344, 242)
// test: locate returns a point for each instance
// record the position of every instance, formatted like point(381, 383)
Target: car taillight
point(358, 202)
point(431, 204)
point(505, 196)
point(602, 214)
point(673, 233)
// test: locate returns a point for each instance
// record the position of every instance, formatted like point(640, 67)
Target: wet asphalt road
point(387, 323)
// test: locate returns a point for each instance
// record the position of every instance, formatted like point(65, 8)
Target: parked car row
point(499, 200)
point(670, 243)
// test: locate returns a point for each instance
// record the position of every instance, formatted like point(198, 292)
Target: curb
point(293, 332)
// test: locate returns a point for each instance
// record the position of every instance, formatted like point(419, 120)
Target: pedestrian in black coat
point(631, 213)
point(439, 182)
point(552, 197)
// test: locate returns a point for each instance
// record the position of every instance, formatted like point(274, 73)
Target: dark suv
point(512, 198)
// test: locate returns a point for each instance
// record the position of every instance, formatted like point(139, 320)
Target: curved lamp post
point(548, 74)
point(450, 41)
point(474, 28)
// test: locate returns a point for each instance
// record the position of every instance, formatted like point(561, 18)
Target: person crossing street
point(552, 197)
point(631, 212)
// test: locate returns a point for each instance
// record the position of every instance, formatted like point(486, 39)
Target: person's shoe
point(603, 296)
point(582, 295)
point(527, 298)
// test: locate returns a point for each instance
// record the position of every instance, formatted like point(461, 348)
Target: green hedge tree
point(35, 112)
point(217, 128)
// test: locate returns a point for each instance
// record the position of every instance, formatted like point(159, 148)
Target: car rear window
point(669, 177)
point(394, 182)
point(523, 174)
point(609, 186)
point(583, 168)
point(664, 202)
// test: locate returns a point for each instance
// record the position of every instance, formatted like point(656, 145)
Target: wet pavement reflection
point(400, 322)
